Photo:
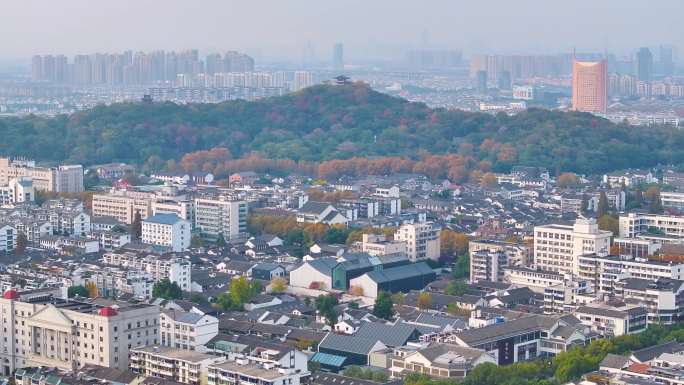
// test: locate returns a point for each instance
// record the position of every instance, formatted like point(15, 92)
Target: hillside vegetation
point(338, 122)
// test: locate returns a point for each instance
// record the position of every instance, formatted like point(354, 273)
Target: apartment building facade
point(8, 238)
point(605, 271)
point(183, 366)
point(221, 216)
point(248, 372)
point(558, 247)
point(422, 240)
point(186, 330)
point(663, 297)
point(612, 322)
point(634, 223)
point(489, 258)
point(160, 267)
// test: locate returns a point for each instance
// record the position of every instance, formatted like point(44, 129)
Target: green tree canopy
point(167, 290)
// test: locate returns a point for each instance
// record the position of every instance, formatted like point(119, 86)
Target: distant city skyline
point(368, 30)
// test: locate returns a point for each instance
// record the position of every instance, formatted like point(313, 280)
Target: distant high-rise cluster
point(589, 86)
point(130, 68)
point(514, 67)
point(643, 76)
point(338, 56)
point(302, 79)
point(434, 58)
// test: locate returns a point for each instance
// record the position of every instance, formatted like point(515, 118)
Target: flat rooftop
point(175, 354)
point(250, 370)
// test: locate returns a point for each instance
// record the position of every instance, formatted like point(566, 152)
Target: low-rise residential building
point(112, 239)
point(610, 321)
point(321, 212)
point(167, 230)
point(246, 371)
point(183, 366)
point(376, 244)
point(18, 190)
point(535, 279)
point(525, 337)
point(173, 268)
point(662, 297)
point(67, 244)
point(186, 330)
point(439, 360)
point(8, 238)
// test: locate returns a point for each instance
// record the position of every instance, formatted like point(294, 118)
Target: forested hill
point(338, 122)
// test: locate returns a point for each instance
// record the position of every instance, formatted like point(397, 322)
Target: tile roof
point(649, 353)
point(390, 335)
point(348, 344)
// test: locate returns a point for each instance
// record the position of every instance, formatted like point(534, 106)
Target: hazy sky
point(277, 29)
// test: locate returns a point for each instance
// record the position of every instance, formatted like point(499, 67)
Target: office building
point(504, 80)
point(167, 230)
point(422, 240)
point(590, 86)
point(123, 205)
point(338, 56)
point(221, 216)
point(644, 65)
point(61, 179)
point(45, 330)
point(558, 247)
point(667, 66)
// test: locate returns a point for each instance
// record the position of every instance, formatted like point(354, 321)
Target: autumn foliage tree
point(92, 289)
point(452, 243)
point(424, 301)
point(278, 285)
point(567, 180)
